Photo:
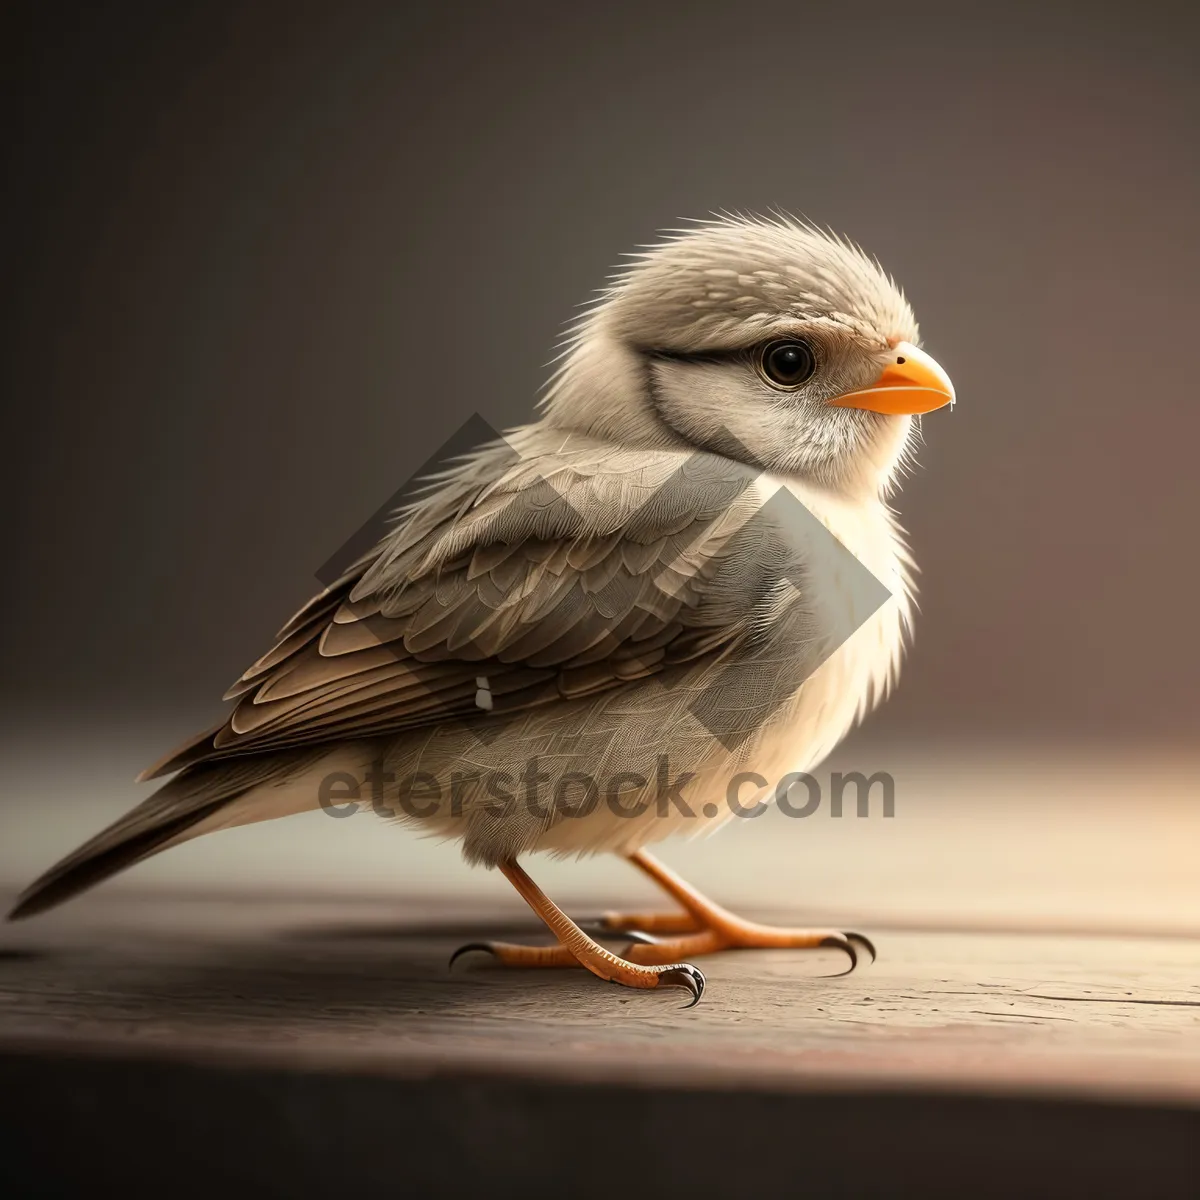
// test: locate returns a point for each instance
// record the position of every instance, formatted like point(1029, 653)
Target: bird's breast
point(858, 592)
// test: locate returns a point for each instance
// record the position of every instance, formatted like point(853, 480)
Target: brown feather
point(545, 577)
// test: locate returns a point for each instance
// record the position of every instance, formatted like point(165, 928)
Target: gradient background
point(260, 264)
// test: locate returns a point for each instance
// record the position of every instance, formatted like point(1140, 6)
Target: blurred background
point(260, 262)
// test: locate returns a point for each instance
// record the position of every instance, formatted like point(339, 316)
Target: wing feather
point(581, 568)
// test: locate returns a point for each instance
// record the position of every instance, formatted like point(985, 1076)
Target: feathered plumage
point(606, 583)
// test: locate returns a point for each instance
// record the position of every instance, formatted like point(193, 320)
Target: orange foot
point(575, 948)
point(704, 927)
point(649, 962)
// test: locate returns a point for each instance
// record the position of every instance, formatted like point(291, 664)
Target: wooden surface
point(335, 984)
point(1043, 949)
point(1037, 916)
point(268, 1047)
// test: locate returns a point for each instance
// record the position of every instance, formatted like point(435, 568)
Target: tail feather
point(163, 819)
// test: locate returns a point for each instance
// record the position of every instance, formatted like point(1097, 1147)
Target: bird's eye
point(788, 364)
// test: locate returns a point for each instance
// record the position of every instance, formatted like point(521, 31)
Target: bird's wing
point(578, 569)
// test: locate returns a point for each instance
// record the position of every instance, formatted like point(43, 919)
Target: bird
point(639, 576)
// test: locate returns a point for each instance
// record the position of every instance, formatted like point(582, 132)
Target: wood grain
point(335, 985)
point(275, 1007)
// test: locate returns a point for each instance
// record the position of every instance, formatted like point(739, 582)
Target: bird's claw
point(467, 949)
point(684, 975)
point(841, 942)
point(866, 943)
point(845, 941)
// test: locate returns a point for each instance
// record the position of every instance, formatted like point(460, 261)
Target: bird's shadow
point(344, 978)
point(21, 954)
point(496, 928)
point(337, 977)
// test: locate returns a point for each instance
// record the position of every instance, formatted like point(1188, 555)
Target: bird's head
point(763, 340)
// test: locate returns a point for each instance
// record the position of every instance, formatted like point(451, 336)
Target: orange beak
point(911, 383)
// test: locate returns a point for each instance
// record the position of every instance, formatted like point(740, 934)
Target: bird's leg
point(576, 948)
point(706, 926)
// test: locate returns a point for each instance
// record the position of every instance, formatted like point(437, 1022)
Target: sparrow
point(621, 584)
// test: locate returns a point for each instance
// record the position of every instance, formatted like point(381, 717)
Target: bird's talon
point(686, 976)
point(467, 950)
point(840, 942)
point(865, 942)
